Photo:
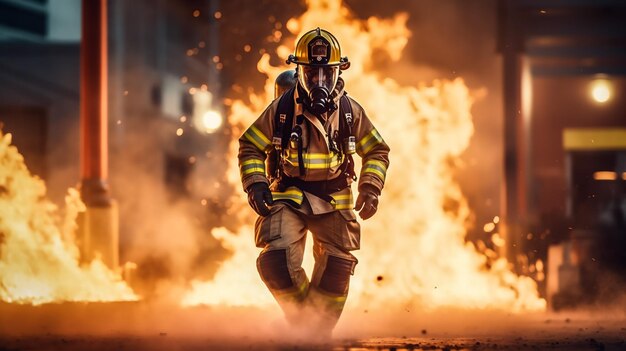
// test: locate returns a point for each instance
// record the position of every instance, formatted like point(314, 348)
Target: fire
point(413, 250)
point(39, 261)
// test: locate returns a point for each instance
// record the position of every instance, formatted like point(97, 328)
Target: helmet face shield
point(312, 77)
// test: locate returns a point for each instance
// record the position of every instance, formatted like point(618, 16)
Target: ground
point(144, 326)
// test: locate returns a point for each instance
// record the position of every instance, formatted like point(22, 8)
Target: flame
point(39, 261)
point(413, 250)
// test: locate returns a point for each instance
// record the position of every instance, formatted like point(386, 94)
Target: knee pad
point(336, 276)
point(274, 271)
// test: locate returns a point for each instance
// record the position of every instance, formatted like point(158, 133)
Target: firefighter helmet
point(318, 47)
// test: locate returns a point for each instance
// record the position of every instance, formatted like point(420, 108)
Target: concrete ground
point(605, 341)
point(144, 326)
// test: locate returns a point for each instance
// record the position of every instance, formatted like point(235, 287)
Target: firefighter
point(310, 134)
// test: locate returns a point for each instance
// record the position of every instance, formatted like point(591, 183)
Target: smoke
point(165, 226)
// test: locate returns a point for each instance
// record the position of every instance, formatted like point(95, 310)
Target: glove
point(367, 201)
point(259, 196)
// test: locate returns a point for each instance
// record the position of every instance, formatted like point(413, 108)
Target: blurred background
point(546, 166)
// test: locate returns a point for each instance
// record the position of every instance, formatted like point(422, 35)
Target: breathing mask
point(318, 82)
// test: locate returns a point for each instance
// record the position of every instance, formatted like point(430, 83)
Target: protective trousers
point(316, 304)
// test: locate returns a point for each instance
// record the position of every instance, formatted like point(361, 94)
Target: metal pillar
point(99, 230)
point(514, 192)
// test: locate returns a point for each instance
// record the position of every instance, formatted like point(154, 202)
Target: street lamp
point(601, 90)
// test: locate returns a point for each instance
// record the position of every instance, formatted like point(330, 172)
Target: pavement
point(145, 326)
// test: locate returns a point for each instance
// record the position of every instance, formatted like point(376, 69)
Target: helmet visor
point(311, 77)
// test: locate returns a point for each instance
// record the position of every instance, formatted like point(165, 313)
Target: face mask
point(318, 82)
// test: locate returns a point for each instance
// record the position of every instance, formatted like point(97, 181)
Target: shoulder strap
point(283, 119)
point(346, 122)
point(346, 119)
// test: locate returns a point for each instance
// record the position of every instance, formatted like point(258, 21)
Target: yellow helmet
point(320, 48)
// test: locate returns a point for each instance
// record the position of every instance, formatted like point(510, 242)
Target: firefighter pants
point(317, 302)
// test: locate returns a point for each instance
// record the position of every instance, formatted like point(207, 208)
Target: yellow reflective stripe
point(252, 161)
point(257, 138)
point(318, 155)
point(366, 144)
point(315, 157)
point(252, 166)
point(260, 170)
point(342, 197)
point(342, 202)
point(376, 167)
point(332, 299)
point(379, 164)
point(292, 193)
point(298, 294)
point(316, 161)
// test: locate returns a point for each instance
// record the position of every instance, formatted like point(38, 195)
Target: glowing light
point(217, 15)
point(247, 48)
point(293, 25)
point(489, 227)
point(211, 121)
point(496, 219)
point(497, 240)
point(601, 90)
point(179, 131)
point(196, 13)
point(604, 175)
point(541, 276)
point(183, 119)
point(539, 265)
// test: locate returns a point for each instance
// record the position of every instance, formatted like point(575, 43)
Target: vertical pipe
point(98, 225)
point(512, 196)
point(93, 98)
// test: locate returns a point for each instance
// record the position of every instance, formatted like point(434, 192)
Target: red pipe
point(93, 101)
point(93, 90)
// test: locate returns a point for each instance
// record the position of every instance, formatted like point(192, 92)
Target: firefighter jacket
point(321, 163)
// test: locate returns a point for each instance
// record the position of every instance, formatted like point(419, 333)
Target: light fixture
point(604, 175)
point(211, 121)
point(601, 90)
point(205, 118)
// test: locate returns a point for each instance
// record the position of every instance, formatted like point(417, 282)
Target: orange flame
point(39, 261)
point(415, 244)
